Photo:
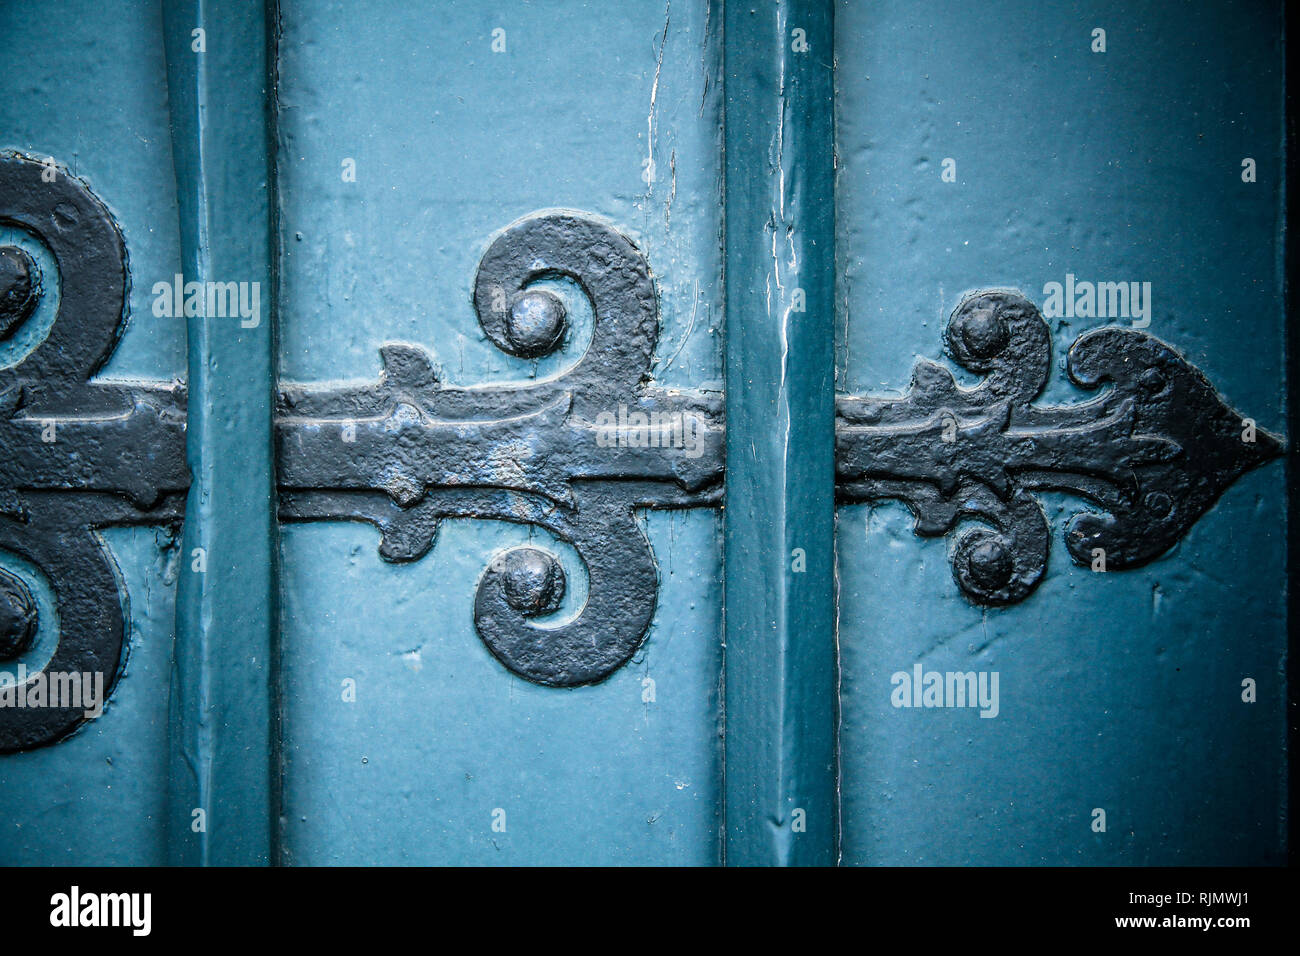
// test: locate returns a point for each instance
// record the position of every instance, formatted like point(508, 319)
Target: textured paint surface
point(1117, 691)
point(97, 798)
point(780, 664)
point(452, 142)
point(94, 97)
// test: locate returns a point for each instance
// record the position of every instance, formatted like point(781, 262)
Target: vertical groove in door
point(780, 778)
point(221, 786)
point(1290, 211)
point(275, 244)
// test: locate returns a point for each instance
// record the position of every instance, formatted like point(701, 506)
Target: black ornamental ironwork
point(577, 454)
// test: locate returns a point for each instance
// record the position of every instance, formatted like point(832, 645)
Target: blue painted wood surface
point(1119, 691)
point(452, 142)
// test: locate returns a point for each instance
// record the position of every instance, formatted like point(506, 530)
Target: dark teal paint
point(780, 659)
point(223, 719)
point(1118, 691)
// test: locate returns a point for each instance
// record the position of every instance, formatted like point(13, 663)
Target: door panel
point(452, 143)
point(1119, 691)
point(94, 99)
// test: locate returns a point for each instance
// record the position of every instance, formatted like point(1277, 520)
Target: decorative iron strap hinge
point(576, 454)
point(1153, 452)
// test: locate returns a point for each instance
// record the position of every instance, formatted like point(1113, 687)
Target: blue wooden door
point(683, 433)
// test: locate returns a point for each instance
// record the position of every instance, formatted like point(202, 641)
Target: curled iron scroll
point(78, 455)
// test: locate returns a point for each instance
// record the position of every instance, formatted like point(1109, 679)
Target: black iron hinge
point(1151, 453)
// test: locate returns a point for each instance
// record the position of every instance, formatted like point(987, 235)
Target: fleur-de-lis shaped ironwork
point(1153, 451)
point(539, 453)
